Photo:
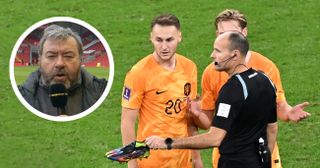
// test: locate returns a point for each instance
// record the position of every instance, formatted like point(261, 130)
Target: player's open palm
point(297, 112)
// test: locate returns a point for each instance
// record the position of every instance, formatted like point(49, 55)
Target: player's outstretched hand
point(155, 142)
point(132, 151)
point(297, 112)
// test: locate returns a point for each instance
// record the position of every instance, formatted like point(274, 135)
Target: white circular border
point(61, 19)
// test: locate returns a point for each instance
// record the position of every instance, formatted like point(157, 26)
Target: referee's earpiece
point(234, 55)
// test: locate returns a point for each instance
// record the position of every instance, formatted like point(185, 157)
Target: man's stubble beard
point(48, 80)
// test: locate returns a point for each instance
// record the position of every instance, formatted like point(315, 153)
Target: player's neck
point(169, 64)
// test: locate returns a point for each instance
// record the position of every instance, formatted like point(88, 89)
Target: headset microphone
point(228, 59)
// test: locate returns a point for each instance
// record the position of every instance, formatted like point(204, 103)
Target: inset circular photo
point(61, 69)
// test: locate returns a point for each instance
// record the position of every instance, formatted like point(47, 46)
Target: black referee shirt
point(245, 105)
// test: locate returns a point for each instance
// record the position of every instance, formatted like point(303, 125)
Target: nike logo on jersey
point(159, 92)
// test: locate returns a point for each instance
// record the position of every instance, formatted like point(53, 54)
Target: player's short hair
point(231, 14)
point(238, 42)
point(55, 32)
point(166, 20)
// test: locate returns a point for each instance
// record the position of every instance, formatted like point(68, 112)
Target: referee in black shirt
point(245, 123)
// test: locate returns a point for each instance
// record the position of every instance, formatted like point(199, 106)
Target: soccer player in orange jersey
point(156, 90)
point(212, 81)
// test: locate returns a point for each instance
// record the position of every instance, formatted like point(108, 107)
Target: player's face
point(221, 54)
point(60, 62)
point(165, 40)
point(231, 25)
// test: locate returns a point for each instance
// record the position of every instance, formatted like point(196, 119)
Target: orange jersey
point(212, 81)
point(161, 96)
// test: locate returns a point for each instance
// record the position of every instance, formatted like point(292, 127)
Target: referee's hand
point(155, 142)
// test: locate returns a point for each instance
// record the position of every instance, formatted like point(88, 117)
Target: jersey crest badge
point(187, 89)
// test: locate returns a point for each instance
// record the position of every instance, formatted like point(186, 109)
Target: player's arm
point(272, 130)
point(202, 118)
point(286, 112)
point(192, 131)
point(128, 120)
point(203, 114)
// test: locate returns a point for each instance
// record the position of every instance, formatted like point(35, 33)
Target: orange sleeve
point(260, 62)
point(207, 93)
point(133, 90)
point(194, 77)
point(274, 75)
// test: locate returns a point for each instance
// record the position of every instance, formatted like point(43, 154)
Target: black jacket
point(80, 96)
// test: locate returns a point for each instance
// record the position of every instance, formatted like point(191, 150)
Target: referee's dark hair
point(166, 20)
point(238, 42)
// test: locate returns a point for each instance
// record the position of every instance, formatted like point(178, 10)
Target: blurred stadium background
point(287, 32)
point(94, 54)
point(94, 58)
